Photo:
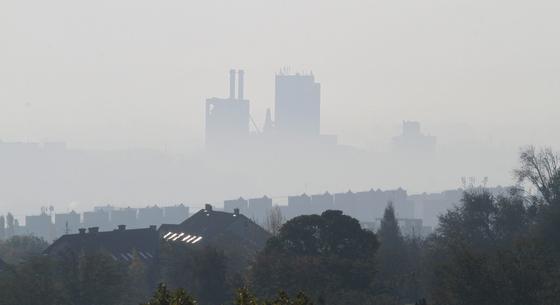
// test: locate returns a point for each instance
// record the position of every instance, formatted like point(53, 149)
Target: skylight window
point(178, 236)
point(182, 236)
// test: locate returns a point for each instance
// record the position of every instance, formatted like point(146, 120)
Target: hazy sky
point(135, 73)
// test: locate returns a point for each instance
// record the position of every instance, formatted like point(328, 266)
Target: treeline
point(490, 249)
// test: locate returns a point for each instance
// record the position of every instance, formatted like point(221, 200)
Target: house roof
point(211, 225)
point(3, 265)
point(121, 244)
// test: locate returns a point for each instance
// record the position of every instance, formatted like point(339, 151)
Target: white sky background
point(115, 74)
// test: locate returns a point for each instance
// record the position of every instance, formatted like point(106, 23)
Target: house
point(121, 244)
point(235, 234)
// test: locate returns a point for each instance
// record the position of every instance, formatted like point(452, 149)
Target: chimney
point(122, 227)
point(82, 231)
point(208, 207)
point(235, 211)
point(153, 227)
point(93, 230)
point(232, 84)
point(240, 83)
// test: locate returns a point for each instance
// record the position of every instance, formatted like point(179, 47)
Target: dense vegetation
point(490, 249)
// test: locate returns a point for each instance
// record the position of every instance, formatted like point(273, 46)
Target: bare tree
point(274, 220)
point(10, 222)
point(541, 169)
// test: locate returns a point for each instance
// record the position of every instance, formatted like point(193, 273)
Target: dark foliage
point(325, 256)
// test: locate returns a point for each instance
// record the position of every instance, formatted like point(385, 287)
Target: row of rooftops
point(205, 227)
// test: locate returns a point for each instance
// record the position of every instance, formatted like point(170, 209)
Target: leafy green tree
point(101, 279)
point(203, 271)
point(18, 249)
point(163, 296)
point(210, 269)
point(320, 255)
point(391, 255)
point(137, 288)
point(486, 252)
point(244, 297)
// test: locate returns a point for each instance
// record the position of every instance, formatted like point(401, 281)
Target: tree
point(202, 271)
point(274, 221)
point(18, 249)
point(210, 268)
point(101, 279)
point(392, 254)
point(137, 288)
point(485, 252)
point(542, 169)
point(10, 229)
point(321, 255)
point(163, 296)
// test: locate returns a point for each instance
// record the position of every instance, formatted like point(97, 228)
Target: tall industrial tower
point(227, 119)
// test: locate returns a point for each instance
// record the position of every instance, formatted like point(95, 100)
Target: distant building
point(175, 214)
point(227, 119)
point(408, 226)
point(66, 223)
point(121, 244)
point(125, 216)
point(240, 203)
point(235, 234)
point(347, 203)
point(371, 204)
point(150, 216)
point(299, 205)
point(297, 106)
point(259, 208)
point(322, 202)
point(413, 141)
point(40, 226)
point(99, 218)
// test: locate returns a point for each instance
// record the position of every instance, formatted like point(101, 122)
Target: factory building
point(227, 119)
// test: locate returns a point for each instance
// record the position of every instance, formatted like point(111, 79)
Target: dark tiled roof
point(120, 244)
point(212, 225)
point(3, 265)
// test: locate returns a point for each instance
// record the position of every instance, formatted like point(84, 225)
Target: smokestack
point(231, 84)
point(240, 76)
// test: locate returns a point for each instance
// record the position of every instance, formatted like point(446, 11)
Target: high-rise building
point(227, 119)
point(150, 216)
point(413, 141)
point(97, 218)
point(40, 226)
point(241, 204)
point(127, 217)
point(66, 223)
point(297, 108)
point(259, 208)
point(175, 214)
